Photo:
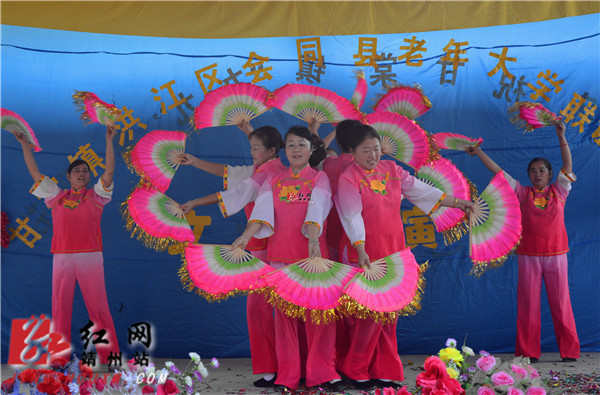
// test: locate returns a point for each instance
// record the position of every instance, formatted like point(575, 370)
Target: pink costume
point(368, 202)
point(77, 249)
point(542, 254)
point(240, 193)
point(285, 205)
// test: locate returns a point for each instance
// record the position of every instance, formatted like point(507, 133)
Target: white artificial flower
point(168, 364)
point(195, 357)
point(451, 342)
point(188, 381)
point(468, 351)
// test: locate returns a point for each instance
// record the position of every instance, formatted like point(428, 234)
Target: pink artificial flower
point(168, 388)
point(532, 372)
point(404, 391)
point(147, 390)
point(426, 380)
point(451, 386)
point(514, 391)
point(99, 384)
point(389, 391)
point(486, 363)
point(535, 391)
point(436, 366)
point(483, 390)
point(502, 378)
point(84, 388)
point(519, 371)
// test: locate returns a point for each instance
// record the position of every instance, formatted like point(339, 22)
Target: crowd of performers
point(351, 214)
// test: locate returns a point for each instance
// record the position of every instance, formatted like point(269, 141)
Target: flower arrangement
point(76, 378)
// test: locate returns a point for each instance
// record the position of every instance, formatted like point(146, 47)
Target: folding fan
point(215, 272)
point(404, 100)
point(456, 141)
point(392, 286)
point(156, 219)
point(495, 225)
point(442, 174)
point(155, 157)
point(231, 105)
point(360, 92)
point(95, 110)
point(312, 286)
point(309, 102)
point(401, 138)
point(529, 116)
point(14, 123)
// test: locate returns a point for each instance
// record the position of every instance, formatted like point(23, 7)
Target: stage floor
point(234, 376)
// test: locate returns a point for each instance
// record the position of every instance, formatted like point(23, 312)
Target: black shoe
point(385, 384)
point(569, 359)
point(282, 388)
point(533, 360)
point(262, 383)
point(338, 386)
point(363, 385)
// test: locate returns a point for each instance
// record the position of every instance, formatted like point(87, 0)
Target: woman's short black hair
point(545, 161)
point(360, 133)
point(318, 146)
point(76, 163)
point(343, 133)
point(269, 137)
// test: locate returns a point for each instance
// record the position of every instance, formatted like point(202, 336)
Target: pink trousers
point(320, 352)
point(372, 353)
point(87, 269)
point(554, 271)
point(261, 329)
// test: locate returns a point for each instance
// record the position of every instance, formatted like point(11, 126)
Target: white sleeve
point(264, 211)
point(564, 180)
point(236, 198)
point(349, 206)
point(511, 181)
point(234, 175)
point(318, 205)
point(422, 195)
point(45, 188)
point(103, 191)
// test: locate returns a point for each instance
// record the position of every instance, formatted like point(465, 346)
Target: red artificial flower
point(147, 390)
point(167, 388)
point(99, 384)
point(426, 380)
point(114, 382)
point(8, 384)
point(435, 366)
point(58, 363)
point(452, 386)
point(85, 370)
point(404, 391)
point(28, 376)
point(84, 388)
point(49, 385)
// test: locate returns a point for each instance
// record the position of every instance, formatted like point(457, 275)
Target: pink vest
point(76, 220)
point(334, 167)
point(291, 196)
point(273, 166)
point(544, 231)
point(381, 191)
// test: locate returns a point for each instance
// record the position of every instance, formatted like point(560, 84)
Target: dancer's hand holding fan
point(386, 288)
point(530, 116)
point(495, 225)
point(95, 110)
point(217, 272)
point(14, 123)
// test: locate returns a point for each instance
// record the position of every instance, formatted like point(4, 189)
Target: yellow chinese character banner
point(471, 76)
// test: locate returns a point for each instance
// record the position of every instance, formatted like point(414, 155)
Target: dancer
point(542, 253)
point(368, 201)
point(265, 144)
point(292, 206)
point(77, 242)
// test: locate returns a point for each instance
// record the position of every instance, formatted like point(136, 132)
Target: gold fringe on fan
point(520, 123)
point(189, 286)
point(319, 317)
point(79, 98)
point(434, 150)
point(350, 307)
point(481, 267)
point(156, 243)
point(455, 233)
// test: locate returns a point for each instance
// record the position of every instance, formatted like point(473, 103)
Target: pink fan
point(392, 286)
point(156, 219)
point(309, 103)
point(14, 123)
point(216, 272)
point(95, 110)
point(311, 286)
point(404, 100)
point(231, 105)
point(455, 141)
point(442, 174)
point(360, 92)
point(529, 116)
point(495, 224)
point(401, 138)
point(155, 157)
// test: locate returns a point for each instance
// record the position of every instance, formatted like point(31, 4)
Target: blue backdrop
point(40, 69)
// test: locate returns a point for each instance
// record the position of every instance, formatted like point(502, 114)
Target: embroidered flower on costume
point(68, 203)
point(378, 186)
point(540, 202)
point(288, 192)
